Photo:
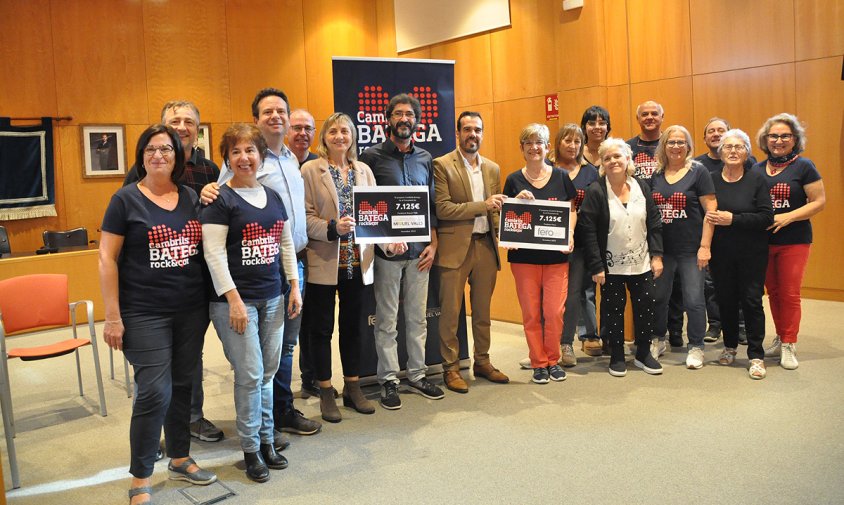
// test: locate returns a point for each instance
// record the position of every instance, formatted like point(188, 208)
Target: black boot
point(256, 469)
point(618, 368)
point(273, 459)
point(645, 360)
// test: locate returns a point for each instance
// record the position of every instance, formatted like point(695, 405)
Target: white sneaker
point(788, 357)
point(658, 348)
point(774, 349)
point(525, 364)
point(567, 357)
point(694, 360)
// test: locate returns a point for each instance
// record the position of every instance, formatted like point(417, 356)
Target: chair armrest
point(90, 313)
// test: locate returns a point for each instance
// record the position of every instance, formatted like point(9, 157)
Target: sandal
point(756, 370)
point(200, 477)
point(135, 491)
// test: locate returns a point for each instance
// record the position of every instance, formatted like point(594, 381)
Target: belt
point(301, 255)
point(478, 236)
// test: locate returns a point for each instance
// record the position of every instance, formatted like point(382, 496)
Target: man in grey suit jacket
point(468, 200)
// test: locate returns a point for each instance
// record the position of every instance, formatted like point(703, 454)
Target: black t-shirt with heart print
point(787, 194)
point(679, 205)
point(160, 267)
point(253, 243)
point(558, 188)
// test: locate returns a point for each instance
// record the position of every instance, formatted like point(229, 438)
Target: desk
point(80, 267)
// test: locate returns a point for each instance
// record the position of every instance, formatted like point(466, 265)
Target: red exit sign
point(552, 109)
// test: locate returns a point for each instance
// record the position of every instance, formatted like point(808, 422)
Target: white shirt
point(476, 181)
point(627, 242)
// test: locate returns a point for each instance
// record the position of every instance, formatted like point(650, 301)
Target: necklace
point(545, 175)
point(166, 196)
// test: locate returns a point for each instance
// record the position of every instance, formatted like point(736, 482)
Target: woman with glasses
point(622, 232)
point(683, 191)
point(541, 276)
point(797, 194)
point(338, 267)
point(740, 249)
point(156, 307)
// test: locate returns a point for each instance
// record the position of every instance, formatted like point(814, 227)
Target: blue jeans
point(254, 355)
point(390, 278)
point(694, 303)
point(164, 350)
point(282, 394)
point(577, 304)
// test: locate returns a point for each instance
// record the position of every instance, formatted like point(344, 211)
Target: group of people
point(698, 236)
point(265, 247)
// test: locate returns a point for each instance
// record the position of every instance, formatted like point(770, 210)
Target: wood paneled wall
point(117, 61)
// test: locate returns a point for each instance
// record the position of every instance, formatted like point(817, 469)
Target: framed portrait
point(203, 141)
point(103, 151)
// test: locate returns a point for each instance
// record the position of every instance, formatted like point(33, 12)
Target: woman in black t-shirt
point(155, 304)
point(797, 194)
point(541, 276)
point(246, 241)
point(683, 192)
point(740, 249)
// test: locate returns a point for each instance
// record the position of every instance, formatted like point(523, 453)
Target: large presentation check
point(535, 224)
point(385, 214)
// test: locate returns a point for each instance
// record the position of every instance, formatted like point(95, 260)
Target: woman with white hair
point(797, 194)
point(740, 249)
point(623, 235)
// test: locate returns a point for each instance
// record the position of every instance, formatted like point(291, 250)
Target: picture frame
point(203, 141)
point(103, 151)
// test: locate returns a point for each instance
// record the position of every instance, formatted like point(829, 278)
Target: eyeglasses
point(677, 143)
point(785, 137)
point(730, 147)
point(165, 150)
point(397, 114)
point(303, 128)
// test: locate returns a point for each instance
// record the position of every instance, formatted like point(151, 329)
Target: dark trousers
point(293, 329)
point(613, 300)
point(739, 283)
point(713, 314)
point(164, 350)
point(197, 397)
point(319, 314)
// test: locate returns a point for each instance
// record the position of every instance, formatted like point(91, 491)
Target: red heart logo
point(253, 231)
point(675, 201)
point(162, 237)
point(781, 191)
point(163, 233)
point(578, 200)
point(380, 207)
point(524, 217)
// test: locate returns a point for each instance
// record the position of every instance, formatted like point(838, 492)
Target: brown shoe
point(490, 373)
point(454, 381)
point(591, 347)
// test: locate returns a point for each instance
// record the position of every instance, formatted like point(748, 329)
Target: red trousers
point(542, 291)
point(786, 266)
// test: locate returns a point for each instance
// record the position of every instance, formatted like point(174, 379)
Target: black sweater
point(594, 218)
point(750, 203)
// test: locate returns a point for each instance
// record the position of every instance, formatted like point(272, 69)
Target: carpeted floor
point(704, 436)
